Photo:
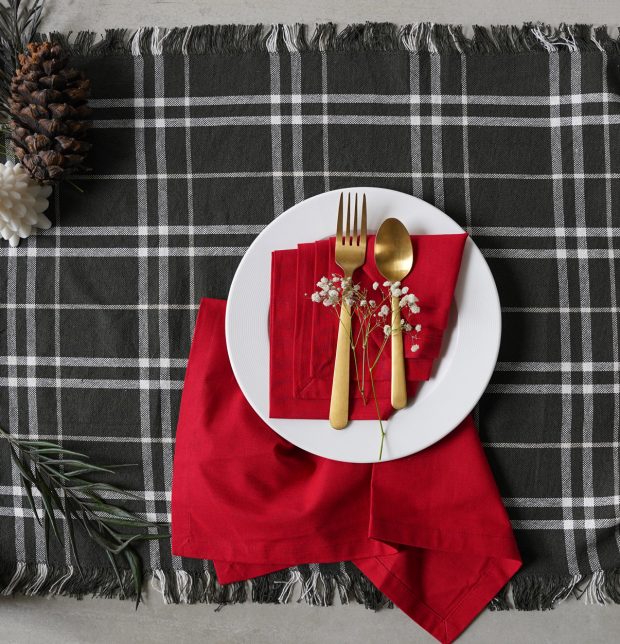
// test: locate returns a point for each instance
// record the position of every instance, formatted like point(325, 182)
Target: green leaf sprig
point(59, 475)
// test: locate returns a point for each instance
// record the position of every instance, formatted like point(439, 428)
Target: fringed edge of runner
point(316, 585)
point(306, 583)
point(545, 592)
point(371, 36)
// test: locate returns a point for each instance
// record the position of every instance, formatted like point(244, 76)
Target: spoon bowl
point(393, 250)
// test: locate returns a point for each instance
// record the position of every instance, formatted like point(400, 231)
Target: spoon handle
point(399, 386)
point(339, 404)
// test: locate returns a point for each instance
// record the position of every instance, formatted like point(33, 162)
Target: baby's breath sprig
point(371, 311)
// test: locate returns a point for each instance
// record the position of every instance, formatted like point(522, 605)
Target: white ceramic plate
point(461, 374)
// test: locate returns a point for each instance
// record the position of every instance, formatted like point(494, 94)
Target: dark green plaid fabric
point(194, 154)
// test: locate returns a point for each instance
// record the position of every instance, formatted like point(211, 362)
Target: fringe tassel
point(371, 36)
point(314, 584)
point(42, 579)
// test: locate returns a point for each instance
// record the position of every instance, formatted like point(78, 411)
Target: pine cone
point(49, 105)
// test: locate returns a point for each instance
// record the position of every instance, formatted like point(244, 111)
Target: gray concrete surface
point(98, 14)
point(67, 621)
point(98, 621)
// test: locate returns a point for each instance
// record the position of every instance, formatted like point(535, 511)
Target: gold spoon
point(394, 259)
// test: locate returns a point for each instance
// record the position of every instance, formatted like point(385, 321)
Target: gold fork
point(350, 254)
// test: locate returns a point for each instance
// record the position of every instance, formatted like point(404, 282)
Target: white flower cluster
point(334, 291)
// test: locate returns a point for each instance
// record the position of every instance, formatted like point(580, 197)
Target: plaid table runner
point(204, 135)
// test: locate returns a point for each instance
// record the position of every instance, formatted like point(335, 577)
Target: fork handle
point(339, 404)
point(399, 386)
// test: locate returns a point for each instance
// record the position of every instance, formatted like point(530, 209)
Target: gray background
point(62, 620)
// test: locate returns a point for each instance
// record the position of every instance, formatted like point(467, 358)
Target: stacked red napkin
point(429, 530)
point(303, 334)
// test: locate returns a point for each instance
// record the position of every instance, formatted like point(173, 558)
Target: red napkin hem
point(446, 629)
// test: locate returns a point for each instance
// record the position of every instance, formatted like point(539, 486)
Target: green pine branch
point(61, 477)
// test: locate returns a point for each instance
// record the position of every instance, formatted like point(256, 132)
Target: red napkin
point(303, 334)
point(429, 530)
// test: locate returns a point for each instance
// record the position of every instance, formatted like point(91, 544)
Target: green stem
point(374, 395)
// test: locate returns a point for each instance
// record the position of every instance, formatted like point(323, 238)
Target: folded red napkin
point(429, 530)
point(303, 334)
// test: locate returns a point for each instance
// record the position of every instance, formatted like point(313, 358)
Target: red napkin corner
point(303, 334)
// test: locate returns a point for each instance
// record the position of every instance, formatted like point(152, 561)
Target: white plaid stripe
point(354, 99)
point(566, 389)
point(164, 277)
point(297, 132)
point(276, 120)
point(605, 445)
point(191, 229)
point(567, 525)
point(466, 188)
point(325, 102)
point(163, 252)
point(357, 174)
point(11, 345)
point(586, 320)
point(436, 121)
point(143, 297)
point(416, 133)
point(253, 229)
point(357, 119)
point(565, 331)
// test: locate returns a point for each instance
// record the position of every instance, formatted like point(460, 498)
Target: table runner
point(201, 137)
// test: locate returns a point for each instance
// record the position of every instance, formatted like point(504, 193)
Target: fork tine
point(363, 232)
point(339, 224)
point(355, 238)
point(347, 240)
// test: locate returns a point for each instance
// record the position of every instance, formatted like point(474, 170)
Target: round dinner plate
point(461, 374)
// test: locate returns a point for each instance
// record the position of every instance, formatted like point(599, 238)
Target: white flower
point(315, 297)
point(356, 287)
point(407, 327)
point(415, 347)
point(372, 303)
point(404, 290)
point(363, 303)
point(387, 329)
point(335, 278)
point(396, 292)
point(410, 300)
point(333, 293)
point(418, 327)
point(387, 283)
point(322, 281)
point(385, 309)
point(375, 286)
point(396, 284)
point(327, 303)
